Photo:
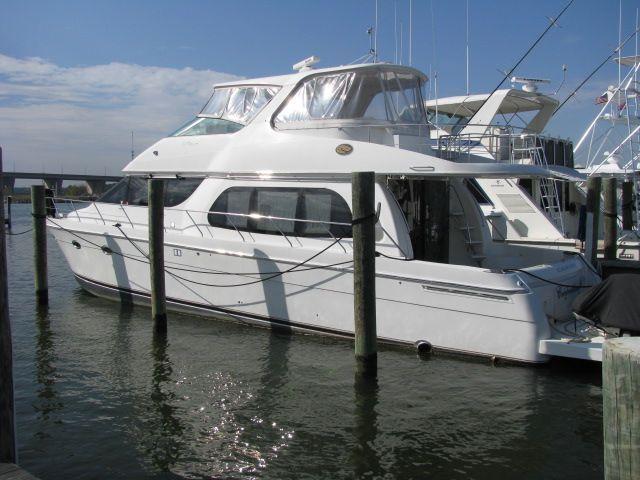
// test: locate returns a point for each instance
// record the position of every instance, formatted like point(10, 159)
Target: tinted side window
point(177, 191)
point(294, 210)
point(133, 191)
point(117, 193)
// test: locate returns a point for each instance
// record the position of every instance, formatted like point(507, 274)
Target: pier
point(95, 184)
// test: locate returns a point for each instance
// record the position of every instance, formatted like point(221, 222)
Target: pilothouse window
point(228, 110)
point(370, 96)
point(133, 191)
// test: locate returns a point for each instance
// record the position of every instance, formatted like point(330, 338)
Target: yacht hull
point(462, 316)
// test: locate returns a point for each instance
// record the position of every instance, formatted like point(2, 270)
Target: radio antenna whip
point(595, 70)
point(552, 23)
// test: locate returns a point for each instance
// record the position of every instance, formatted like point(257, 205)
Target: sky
point(77, 77)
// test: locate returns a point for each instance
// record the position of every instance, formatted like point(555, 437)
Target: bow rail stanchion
point(621, 408)
point(610, 220)
point(156, 254)
point(39, 214)
point(364, 271)
point(594, 185)
point(7, 414)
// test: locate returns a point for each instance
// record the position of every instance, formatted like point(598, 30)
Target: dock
point(10, 471)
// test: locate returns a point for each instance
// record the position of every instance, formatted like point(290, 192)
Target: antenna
point(595, 70)
point(410, 32)
point(467, 47)
point(433, 40)
point(401, 48)
point(435, 88)
point(564, 78)
point(375, 37)
point(395, 30)
point(132, 151)
point(620, 40)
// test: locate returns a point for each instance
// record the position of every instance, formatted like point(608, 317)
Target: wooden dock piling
point(7, 414)
point(610, 220)
point(594, 185)
point(39, 214)
point(156, 254)
point(364, 271)
point(7, 219)
point(627, 205)
point(621, 408)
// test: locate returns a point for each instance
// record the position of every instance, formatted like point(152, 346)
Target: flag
point(621, 106)
point(604, 98)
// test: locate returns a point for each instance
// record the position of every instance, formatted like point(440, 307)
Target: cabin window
point(371, 96)
point(133, 191)
point(228, 110)
point(302, 212)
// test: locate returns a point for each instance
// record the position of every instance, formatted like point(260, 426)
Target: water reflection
point(47, 400)
point(164, 428)
point(364, 457)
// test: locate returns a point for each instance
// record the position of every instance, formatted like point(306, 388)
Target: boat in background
point(507, 127)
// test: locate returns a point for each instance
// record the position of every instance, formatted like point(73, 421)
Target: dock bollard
point(610, 220)
point(7, 416)
point(364, 271)
point(627, 205)
point(156, 254)
point(39, 214)
point(594, 185)
point(621, 408)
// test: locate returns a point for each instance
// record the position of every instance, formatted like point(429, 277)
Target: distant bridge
point(95, 183)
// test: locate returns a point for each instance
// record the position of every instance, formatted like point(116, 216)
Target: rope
point(588, 265)
point(404, 259)
point(19, 233)
point(546, 280)
point(358, 221)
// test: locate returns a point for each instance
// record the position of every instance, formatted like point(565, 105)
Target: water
point(98, 397)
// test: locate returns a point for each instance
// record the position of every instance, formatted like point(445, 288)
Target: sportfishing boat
point(258, 222)
point(507, 126)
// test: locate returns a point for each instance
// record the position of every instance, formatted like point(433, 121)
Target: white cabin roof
point(514, 101)
point(261, 150)
point(294, 78)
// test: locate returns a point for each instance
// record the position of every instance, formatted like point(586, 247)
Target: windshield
point(447, 121)
point(228, 110)
point(371, 96)
point(238, 104)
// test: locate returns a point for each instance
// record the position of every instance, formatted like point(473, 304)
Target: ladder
point(549, 197)
point(475, 246)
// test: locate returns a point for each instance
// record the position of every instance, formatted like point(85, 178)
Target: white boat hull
point(454, 308)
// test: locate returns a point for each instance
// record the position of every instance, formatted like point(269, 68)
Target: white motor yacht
point(258, 222)
point(508, 127)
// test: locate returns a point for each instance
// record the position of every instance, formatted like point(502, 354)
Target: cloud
point(80, 118)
